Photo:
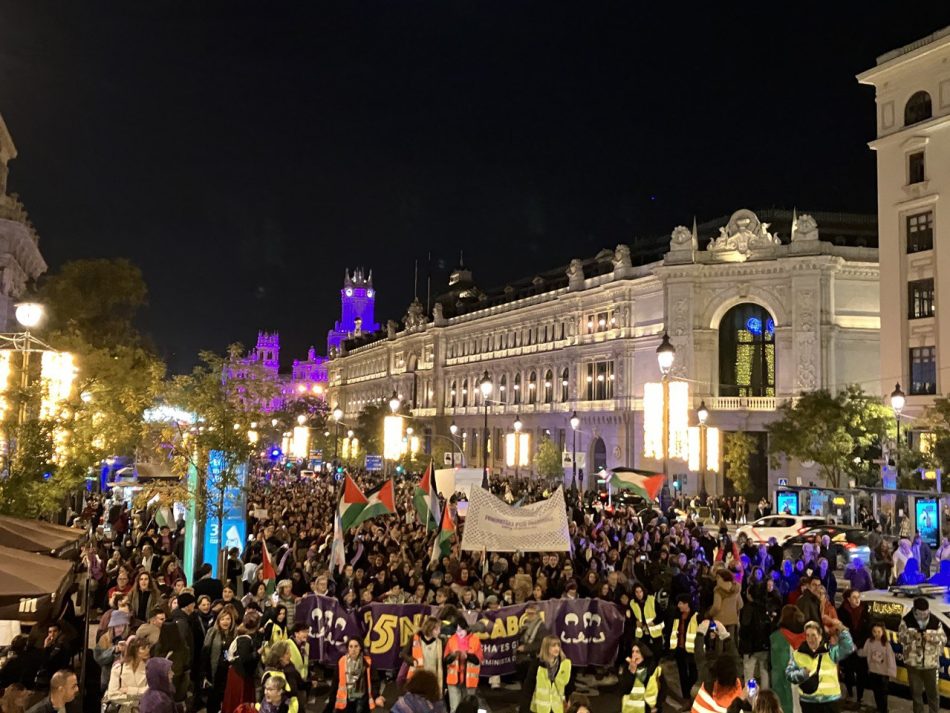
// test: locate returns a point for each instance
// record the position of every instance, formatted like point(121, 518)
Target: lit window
point(923, 370)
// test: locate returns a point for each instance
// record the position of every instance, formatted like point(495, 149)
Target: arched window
point(453, 395)
point(565, 384)
point(464, 392)
point(533, 387)
point(503, 389)
point(516, 396)
point(917, 108)
point(548, 387)
point(747, 352)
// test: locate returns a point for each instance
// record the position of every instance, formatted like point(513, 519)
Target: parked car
point(781, 527)
point(848, 544)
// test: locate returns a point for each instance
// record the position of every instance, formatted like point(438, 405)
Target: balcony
point(745, 403)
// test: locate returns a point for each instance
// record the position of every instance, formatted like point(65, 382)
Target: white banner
point(494, 526)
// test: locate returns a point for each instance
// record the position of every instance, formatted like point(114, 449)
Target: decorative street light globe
point(575, 421)
point(453, 429)
point(898, 399)
point(409, 430)
point(665, 354)
point(485, 385)
point(301, 419)
point(349, 434)
point(337, 413)
point(394, 402)
point(29, 314)
point(273, 422)
point(517, 424)
point(702, 413)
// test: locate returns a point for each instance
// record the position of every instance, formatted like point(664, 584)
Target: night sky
point(245, 154)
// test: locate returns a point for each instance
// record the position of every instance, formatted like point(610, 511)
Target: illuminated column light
point(345, 449)
point(392, 437)
point(653, 420)
point(285, 444)
point(679, 420)
point(58, 371)
point(300, 446)
point(510, 450)
point(712, 449)
point(524, 449)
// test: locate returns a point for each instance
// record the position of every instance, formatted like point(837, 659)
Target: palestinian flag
point(643, 482)
point(425, 500)
point(380, 501)
point(268, 573)
point(351, 504)
point(442, 545)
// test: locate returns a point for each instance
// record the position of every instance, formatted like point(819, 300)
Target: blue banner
point(234, 523)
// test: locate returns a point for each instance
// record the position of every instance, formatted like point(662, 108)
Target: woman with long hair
point(551, 679)
point(878, 654)
point(422, 695)
point(424, 651)
point(14, 698)
point(214, 655)
point(127, 682)
point(145, 595)
point(640, 680)
point(853, 613)
point(276, 627)
point(243, 658)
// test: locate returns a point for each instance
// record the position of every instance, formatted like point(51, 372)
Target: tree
point(842, 434)
point(215, 447)
point(548, 460)
point(737, 449)
point(936, 420)
point(91, 306)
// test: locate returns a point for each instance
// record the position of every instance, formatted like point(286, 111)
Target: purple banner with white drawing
point(589, 630)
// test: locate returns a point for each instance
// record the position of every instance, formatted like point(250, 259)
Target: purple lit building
point(358, 302)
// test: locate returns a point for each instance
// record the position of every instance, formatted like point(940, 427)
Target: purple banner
point(589, 630)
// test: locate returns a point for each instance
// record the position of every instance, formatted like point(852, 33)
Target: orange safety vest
point(417, 656)
point(717, 701)
point(472, 664)
point(341, 699)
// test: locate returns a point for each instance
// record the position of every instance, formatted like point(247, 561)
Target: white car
point(781, 527)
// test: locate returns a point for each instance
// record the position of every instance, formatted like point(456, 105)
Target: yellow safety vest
point(643, 693)
point(690, 643)
point(549, 695)
point(645, 614)
point(828, 685)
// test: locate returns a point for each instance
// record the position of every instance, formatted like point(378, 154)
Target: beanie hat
point(185, 599)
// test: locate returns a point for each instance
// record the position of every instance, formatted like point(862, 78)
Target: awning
point(32, 586)
point(40, 537)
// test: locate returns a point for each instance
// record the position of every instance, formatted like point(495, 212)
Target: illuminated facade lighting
point(510, 449)
point(679, 420)
point(392, 437)
point(524, 449)
point(300, 446)
point(712, 450)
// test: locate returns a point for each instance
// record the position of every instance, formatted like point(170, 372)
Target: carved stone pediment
point(745, 234)
point(415, 319)
point(804, 228)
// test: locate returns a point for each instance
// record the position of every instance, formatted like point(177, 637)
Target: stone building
point(759, 307)
point(20, 258)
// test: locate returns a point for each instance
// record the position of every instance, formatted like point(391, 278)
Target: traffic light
point(677, 485)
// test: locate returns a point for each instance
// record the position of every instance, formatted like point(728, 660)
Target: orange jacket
point(341, 698)
point(472, 662)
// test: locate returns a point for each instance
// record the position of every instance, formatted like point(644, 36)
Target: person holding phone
point(813, 667)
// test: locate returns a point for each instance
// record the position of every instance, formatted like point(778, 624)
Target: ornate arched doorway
point(598, 456)
point(747, 351)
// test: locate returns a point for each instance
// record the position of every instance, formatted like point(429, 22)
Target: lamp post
point(898, 399)
point(665, 354)
point(453, 429)
point(337, 415)
point(575, 422)
point(702, 414)
point(517, 426)
point(485, 386)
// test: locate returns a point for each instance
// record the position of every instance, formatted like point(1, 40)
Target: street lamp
point(665, 354)
point(394, 402)
point(337, 415)
point(898, 399)
point(301, 419)
point(702, 414)
point(485, 386)
point(575, 422)
point(517, 426)
point(453, 429)
point(29, 314)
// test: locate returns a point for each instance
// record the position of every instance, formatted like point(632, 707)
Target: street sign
point(567, 463)
point(374, 462)
point(783, 482)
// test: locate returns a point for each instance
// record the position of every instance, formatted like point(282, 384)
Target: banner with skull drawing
point(589, 630)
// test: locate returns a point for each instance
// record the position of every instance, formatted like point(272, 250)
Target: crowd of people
point(720, 610)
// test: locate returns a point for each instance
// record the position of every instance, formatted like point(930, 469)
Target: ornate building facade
point(756, 313)
point(20, 258)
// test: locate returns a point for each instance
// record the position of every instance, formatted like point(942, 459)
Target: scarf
point(553, 668)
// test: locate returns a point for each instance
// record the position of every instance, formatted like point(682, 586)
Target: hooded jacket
point(160, 696)
point(726, 603)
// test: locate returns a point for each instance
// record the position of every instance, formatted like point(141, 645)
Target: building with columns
point(20, 258)
point(759, 306)
point(912, 95)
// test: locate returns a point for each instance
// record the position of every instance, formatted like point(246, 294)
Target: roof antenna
point(415, 283)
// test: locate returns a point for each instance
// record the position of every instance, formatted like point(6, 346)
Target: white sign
point(581, 460)
point(492, 525)
point(449, 481)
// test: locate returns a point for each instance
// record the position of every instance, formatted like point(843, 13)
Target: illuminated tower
point(358, 305)
point(268, 350)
